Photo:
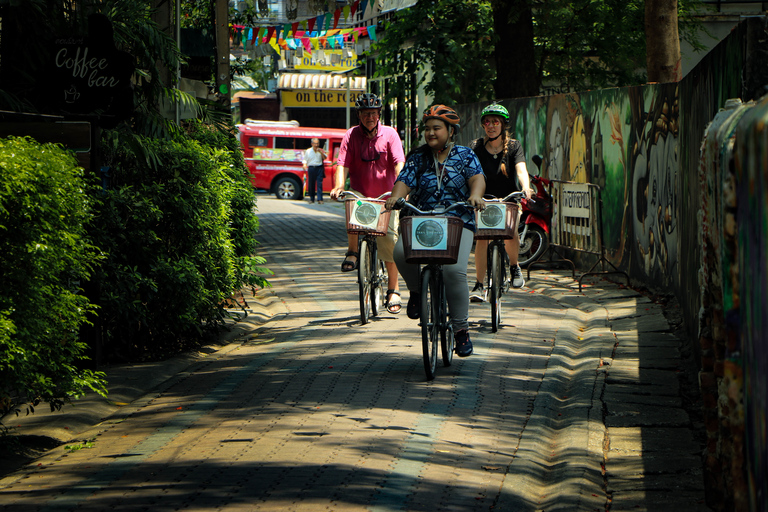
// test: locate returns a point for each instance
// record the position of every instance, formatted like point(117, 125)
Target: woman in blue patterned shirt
point(440, 173)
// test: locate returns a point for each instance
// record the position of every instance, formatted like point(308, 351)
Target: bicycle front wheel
point(495, 284)
point(447, 341)
point(365, 270)
point(430, 321)
point(378, 278)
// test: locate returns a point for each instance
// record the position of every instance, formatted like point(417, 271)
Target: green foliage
point(179, 240)
point(45, 253)
point(586, 44)
point(244, 223)
point(453, 37)
point(579, 45)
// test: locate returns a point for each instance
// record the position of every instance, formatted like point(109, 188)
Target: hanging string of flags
point(312, 35)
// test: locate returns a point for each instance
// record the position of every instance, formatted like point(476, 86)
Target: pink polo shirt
point(367, 175)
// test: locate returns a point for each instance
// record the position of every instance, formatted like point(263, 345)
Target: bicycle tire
point(429, 321)
point(364, 276)
point(533, 246)
point(447, 341)
point(377, 280)
point(494, 284)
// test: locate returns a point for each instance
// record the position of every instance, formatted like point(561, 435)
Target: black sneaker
point(463, 343)
point(478, 293)
point(517, 276)
point(414, 305)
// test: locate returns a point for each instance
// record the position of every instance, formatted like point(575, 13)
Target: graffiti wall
point(684, 219)
point(626, 141)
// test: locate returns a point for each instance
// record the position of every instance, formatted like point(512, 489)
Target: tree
point(454, 39)
point(662, 40)
point(514, 53)
point(565, 45)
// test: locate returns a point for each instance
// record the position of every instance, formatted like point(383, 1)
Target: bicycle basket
point(431, 238)
point(366, 217)
point(498, 220)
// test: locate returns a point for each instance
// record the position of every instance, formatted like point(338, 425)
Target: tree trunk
point(516, 73)
point(662, 41)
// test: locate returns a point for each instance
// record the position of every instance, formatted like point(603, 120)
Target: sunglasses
point(368, 153)
point(491, 122)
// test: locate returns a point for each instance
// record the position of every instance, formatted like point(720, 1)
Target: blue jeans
point(315, 177)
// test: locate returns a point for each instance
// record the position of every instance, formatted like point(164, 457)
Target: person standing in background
point(313, 164)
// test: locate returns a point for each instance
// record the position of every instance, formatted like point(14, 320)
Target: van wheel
point(288, 188)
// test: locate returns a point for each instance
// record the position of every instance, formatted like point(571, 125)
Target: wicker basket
point(498, 220)
point(362, 217)
point(431, 239)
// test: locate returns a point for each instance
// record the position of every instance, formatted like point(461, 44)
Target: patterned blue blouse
point(460, 166)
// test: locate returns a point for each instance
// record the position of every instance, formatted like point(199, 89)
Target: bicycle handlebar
point(437, 211)
point(356, 196)
point(514, 196)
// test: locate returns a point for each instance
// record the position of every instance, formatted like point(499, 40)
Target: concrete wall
point(643, 146)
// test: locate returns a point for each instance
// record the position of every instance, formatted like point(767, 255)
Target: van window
point(260, 142)
point(297, 143)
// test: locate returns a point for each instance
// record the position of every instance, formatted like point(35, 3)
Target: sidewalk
point(601, 371)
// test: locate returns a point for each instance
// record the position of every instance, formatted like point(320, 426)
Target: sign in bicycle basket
point(431, 239)
point(366, 217)
point(497, 220)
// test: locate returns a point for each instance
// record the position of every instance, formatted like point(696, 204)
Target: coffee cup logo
point(429, 233)
point(71, 95)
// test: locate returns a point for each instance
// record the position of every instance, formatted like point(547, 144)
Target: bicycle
point(432, 239)
point(367, 218)
point(498, 222)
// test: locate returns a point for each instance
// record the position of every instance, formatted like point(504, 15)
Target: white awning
point(320, 81)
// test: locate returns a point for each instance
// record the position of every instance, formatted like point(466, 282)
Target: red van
point(274, 151)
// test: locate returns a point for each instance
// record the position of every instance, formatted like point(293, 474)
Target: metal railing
point(577, 220)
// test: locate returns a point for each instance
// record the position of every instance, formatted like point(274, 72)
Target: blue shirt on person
point(420, 175)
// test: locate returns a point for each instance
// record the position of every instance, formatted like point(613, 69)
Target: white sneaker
point(517, 276)
point(478, 293)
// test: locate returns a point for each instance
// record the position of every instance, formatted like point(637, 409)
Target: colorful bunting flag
point(310, 24)
point(363, 5)
point(372, 32)
point(354, 7)
point(295, 27)
point(270, 33)
point(336, 16)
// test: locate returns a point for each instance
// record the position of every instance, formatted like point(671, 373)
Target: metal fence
point(576, 225)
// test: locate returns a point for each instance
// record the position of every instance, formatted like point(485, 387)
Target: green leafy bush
point(45, 254)
point(244, 223)
point(176, 247)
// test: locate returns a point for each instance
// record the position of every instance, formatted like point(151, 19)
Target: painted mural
point(680, 226)
point(626, 142)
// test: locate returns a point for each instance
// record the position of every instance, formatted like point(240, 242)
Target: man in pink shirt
point(371, 154)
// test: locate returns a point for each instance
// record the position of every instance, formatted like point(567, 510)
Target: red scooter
point(535, 220)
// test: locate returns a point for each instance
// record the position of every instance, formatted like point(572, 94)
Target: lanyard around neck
point(440, 169)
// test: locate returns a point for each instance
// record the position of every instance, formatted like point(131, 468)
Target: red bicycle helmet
point(443, 113)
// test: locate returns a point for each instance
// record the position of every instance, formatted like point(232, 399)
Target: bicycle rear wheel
point(365, 269)
point(430, 322)
point(495, 283)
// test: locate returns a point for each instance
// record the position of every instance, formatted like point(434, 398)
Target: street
point(313, 411)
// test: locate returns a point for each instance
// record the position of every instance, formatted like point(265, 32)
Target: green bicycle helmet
point(494, 109)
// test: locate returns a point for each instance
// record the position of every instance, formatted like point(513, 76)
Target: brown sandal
point(348, 265)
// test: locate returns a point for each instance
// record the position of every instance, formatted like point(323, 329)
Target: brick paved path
point(315, 412)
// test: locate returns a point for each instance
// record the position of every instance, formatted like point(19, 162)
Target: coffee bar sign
point(92, 76)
